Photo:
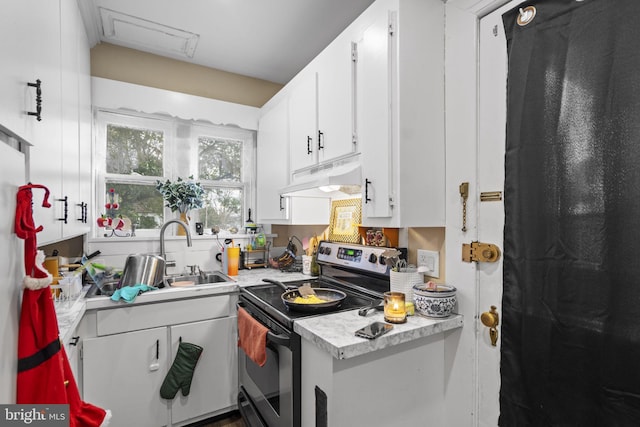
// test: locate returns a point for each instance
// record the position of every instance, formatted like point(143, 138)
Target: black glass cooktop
point(268, 296)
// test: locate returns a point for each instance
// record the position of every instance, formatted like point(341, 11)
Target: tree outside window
point(137, 151)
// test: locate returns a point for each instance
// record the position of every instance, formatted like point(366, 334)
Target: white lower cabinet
point(71, 346)
point(128, 352)
point(215, 378)
point(124, 373)
point(401, 385)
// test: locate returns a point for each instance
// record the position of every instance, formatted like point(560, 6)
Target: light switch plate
point(430, 260)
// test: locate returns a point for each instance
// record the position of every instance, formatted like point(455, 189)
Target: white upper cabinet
point(400, 113)
point(30, 46)
point(376, 95)
point(375, 64)
point(60, 158)
point(303, 126)
point(321, 107)
point(273, 171)
point(336, 73)
point(273, 174)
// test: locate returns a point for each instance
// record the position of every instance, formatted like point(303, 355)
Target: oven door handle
point(282, 340)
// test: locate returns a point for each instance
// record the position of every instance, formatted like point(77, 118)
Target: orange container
point(233, 260)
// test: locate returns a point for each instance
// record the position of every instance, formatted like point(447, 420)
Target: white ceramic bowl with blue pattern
point(434, 300)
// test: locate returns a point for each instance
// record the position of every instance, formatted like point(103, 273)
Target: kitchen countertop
point(69, 313)
point(335, 333)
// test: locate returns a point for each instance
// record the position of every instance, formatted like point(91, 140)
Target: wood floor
point(231, 420)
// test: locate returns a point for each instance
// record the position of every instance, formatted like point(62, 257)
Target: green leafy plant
point(181, 195)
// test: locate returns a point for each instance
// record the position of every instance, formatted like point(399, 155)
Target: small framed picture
point(346, 216)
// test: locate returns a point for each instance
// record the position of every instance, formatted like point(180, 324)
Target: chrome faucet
point(162, 250)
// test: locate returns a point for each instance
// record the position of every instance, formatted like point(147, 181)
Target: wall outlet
point(430, 260)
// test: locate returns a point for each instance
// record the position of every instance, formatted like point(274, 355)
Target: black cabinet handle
point(38, 112)
point(281, 206)
point(366, 191)
point(66, 209)
point(309, 139)
point(320, 140)
point(74, 340)
point(157, 349)
point(83, 212)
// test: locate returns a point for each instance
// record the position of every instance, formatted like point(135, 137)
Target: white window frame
point(176, 162)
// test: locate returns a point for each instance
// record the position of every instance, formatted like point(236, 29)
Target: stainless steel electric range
point(270, 395)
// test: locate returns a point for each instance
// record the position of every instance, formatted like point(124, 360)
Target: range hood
point(328, 180)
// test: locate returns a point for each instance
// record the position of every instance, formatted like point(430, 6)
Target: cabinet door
point(84, 129)
point(29, 42)
point(124, 373)
point(336, 71)
point(45, 157)
point(374, 109)
point(272, 167)
point(55, 159)
point(71, 348)
point(302, 122)
point(214, 385)
point(69, 15)
point(75, 70)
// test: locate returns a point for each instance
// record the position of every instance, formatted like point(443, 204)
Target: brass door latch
point(464, 193)
point(490, 319)
point(480, 252)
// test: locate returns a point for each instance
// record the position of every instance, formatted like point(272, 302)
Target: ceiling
point(265, 39)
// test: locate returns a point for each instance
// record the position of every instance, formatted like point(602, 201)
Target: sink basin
point(107, 290)
point(205, 279)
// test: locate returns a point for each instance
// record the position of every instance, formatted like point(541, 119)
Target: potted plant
point(182, 196)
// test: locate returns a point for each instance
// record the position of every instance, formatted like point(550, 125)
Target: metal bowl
point(143, 269)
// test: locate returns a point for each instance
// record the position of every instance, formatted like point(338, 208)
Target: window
point(134, 151)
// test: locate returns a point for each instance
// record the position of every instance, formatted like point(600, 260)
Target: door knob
point(491, 319)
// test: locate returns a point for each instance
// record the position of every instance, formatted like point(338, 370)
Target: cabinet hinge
point(354, 52)
point(354, 139)
point(392, 23)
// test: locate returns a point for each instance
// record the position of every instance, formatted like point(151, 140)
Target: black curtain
point(571, 304)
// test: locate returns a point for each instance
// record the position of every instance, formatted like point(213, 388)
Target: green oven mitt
point(181, 372)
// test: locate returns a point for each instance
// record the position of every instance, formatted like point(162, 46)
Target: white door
point(491, 143)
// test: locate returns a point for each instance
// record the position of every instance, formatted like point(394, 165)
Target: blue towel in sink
point(129, 293)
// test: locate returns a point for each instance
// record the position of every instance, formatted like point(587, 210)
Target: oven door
point(270, 390)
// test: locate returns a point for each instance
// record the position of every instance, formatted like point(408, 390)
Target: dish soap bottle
point(315, 268)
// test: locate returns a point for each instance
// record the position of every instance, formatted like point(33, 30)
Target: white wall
point(112, 94)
